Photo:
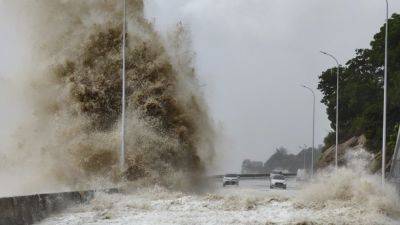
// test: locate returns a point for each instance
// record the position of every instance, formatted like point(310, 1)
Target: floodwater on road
point(252, 202)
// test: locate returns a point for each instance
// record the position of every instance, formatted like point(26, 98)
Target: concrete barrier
point(26, 210)
point(258, 175)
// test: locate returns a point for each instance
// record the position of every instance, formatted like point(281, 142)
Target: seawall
point(26, 210)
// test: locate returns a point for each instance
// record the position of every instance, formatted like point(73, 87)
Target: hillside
point(283, 161)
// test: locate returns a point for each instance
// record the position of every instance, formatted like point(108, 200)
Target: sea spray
point(75, 92)
point(349, 196)
point(352, 190)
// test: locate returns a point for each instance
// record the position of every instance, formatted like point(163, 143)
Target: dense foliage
point(361, 91)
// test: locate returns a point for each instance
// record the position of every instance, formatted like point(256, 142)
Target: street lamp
point(337, 107)
point(385, 96)
point(122, 151)
point(313, 131)
point(304, 160)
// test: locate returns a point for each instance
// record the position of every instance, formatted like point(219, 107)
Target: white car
point(277, 181)
point(230, 179)
point(301, 175)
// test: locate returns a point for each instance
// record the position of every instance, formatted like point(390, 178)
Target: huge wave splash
point(74, 89)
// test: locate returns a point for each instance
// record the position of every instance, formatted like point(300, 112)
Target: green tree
point(361, 91)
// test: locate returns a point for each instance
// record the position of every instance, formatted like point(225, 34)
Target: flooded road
point(252, 202)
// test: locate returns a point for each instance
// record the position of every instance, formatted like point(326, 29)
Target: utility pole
point(385, 97)
point(337, 106)
point(313, 131)
point(122, 152)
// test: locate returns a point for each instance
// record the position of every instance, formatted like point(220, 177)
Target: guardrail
point(255, 175)
point(26, 210)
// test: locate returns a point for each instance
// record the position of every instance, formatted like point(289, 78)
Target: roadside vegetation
point(361, 92)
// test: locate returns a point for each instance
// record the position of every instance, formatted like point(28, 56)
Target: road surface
point(252, 202)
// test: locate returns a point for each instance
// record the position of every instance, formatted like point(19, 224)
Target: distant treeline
point(361, 92)
point(283, 161)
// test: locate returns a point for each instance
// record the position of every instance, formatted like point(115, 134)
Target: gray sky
point(14, 53)
point(252, 55)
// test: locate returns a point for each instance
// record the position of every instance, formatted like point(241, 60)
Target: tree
point(361, 91)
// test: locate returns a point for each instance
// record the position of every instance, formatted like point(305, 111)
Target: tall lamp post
point(313, 131)
point(122, 151)
point(337, 107)
point(385, 96)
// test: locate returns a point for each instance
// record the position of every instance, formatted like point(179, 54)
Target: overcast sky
point(252, 56)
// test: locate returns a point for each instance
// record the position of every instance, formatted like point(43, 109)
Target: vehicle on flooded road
point(301, 175)
point(230, 179)
point(277, 181)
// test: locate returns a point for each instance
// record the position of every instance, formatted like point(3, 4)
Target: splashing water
point(72, 141)
point(74, 89)
point(353, 192)
point(349, 196)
